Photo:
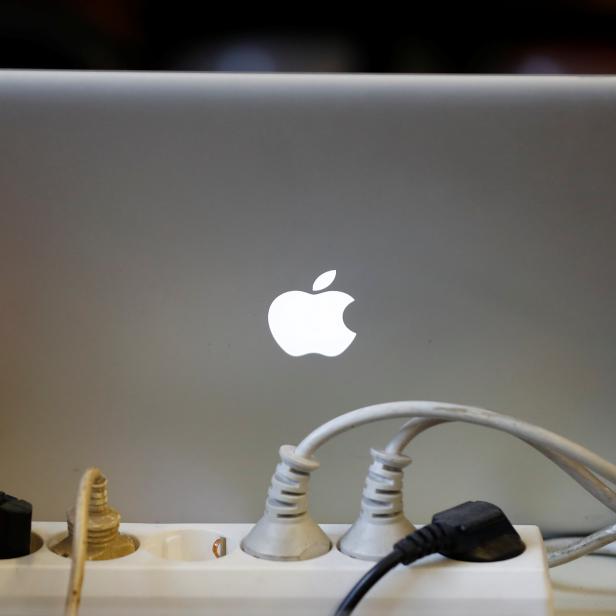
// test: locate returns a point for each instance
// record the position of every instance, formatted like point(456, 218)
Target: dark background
point(415, 37)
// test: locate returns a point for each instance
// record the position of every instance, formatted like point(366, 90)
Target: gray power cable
point(561, 551)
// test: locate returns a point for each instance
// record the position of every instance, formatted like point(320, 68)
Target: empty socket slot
point(187, 545)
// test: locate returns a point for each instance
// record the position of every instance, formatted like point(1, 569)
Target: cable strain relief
point(382, 492)
point(392, 459)
point(297, 462)
point(287, 497)
point(424, 541)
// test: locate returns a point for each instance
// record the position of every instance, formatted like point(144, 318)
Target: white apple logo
point(304, 323)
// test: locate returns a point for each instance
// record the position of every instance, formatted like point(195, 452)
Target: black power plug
point(478, 532)
point(473, 531)
point(15, 526)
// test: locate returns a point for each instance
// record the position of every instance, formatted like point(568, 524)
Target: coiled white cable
point(80, 541)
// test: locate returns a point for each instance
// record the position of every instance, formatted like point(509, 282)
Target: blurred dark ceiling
point(437, 37)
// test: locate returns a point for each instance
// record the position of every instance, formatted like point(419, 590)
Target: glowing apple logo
point(304, 323)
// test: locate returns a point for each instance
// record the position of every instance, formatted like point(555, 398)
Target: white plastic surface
point(146, 582)
point(585, 587)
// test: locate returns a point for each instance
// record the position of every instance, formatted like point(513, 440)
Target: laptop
point(198, 268)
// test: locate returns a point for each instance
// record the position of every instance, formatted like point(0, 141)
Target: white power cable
point(456, 412)
point(560, 551)
point(571, 457)
point(275, 538)
point(590, 482)
point(80, 541)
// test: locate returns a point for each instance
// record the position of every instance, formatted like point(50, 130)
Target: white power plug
point(381, 521)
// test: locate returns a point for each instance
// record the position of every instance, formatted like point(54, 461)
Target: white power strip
point(175, 571)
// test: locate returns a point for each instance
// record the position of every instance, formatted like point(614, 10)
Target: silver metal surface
point(148, 221)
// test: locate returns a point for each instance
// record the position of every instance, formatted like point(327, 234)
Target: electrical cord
point(271, 539)
point(442, 410)
point(574, 459)
point(357, 593)
point(560, 551)
point(564, 550)
point(80, 541)
point(471, 531)
point(577, 471)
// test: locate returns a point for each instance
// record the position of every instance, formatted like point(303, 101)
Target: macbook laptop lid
point(196, 269)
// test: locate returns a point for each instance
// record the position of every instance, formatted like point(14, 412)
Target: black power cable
point(473, 531)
